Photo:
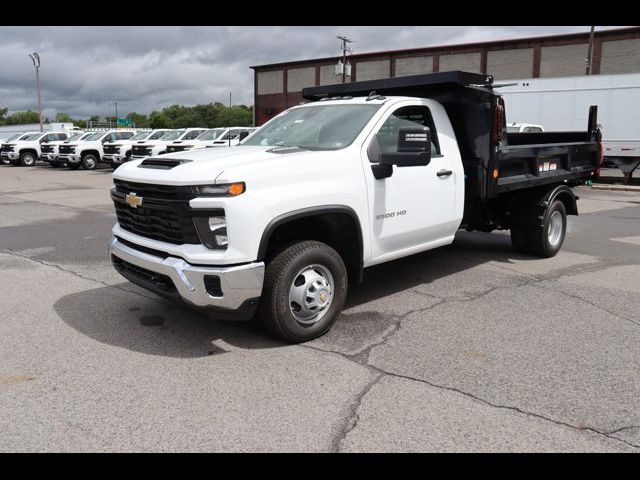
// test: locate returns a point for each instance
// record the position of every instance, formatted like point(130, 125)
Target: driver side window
point(410, 116)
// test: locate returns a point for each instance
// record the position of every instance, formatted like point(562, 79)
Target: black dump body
point(496, 164)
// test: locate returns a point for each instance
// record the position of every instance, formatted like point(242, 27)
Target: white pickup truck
point(119, 152)
point(232, 136)
point(49, 150)
point(366, 173)
point(212, 138)
point(524, 128)
point(88, 152)
point(4, 151)
point(159, 146)
point(26, 151)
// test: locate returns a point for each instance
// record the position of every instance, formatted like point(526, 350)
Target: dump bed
point(533, 159)
point(494, 162)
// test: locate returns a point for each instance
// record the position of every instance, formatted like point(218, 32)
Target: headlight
point(213, 230)
point(222, 190)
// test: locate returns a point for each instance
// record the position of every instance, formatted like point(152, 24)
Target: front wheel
point(27, 159)
point(305, 287)
point(89, 161)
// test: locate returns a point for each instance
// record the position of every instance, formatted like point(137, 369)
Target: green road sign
point(125, 122)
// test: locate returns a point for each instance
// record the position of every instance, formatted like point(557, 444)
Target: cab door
point(413, 208)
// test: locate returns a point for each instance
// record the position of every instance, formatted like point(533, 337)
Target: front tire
point(89, 161)
point(27, 159)
point(305, 287)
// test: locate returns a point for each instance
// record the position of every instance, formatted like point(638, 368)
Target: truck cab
point(89, 152)
point(49, 150)
point(362, 174)
point(26, 151)
point(119, 151)
point(160, 145)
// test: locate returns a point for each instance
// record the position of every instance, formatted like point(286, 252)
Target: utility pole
point(35, 58)
point(229, 114)
point(116, 104)
point(590, 52)
point(344, 49)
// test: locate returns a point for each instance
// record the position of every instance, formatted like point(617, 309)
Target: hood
point(204, 166)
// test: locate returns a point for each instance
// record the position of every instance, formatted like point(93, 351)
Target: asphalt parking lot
point(471, 347)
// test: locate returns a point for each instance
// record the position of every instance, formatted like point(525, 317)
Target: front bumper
point(114, 159)
point(233, 294)
point(10, 155)
point(69, 158)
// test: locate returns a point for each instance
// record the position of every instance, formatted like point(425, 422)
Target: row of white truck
point(87, 149)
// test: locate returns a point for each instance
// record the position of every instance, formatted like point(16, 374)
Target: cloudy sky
point(84, 69)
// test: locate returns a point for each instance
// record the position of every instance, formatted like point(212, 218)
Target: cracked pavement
point(470, 347)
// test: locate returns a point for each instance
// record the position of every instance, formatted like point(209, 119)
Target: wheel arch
point(336, 225)
point(563, 193)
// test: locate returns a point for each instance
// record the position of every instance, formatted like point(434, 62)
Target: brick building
point(279, 86)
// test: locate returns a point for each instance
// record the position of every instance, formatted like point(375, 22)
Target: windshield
point(75, 136)
point(176, 134)
point(157, 135)
point(94, 136)
point(32, 136)
point(14, 137)
point(211, 134)
point(319, 127)
point(139, 136)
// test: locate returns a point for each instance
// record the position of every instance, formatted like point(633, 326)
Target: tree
point(236, 116)
point(62, 117)
point(139, 119)
point(23, 118)
point(160, 120)
point(3, 113)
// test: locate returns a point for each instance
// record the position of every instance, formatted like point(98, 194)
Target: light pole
point(35, 58)
point(589, 60)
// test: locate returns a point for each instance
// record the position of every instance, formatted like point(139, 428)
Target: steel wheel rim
point(311, 294)
point(89, 162)
point(555, 228)
point(28, 159)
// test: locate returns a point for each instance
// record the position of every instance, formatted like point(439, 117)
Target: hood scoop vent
point(162, 164)
point(292, 149)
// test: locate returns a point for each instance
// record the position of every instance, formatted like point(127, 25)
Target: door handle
point(444, 173)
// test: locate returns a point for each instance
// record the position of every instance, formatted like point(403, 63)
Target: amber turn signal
point(495, 173)
point(236, 188)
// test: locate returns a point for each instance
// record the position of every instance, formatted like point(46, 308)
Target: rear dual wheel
point(546, 240)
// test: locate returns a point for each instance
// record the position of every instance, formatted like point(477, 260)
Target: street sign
point(125, 122)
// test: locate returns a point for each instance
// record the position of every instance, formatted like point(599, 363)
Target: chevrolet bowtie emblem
point(133, 200)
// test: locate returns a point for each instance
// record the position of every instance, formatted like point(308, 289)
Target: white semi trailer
point(562, 104)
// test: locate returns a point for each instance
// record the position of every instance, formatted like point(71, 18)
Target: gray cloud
point(147, 68)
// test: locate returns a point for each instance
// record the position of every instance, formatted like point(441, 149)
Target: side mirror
point(414, 148)
point(243, 135)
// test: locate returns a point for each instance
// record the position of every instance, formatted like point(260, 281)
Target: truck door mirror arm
point(374, 152)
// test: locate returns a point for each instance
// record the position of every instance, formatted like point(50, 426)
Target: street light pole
point(35, 58)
